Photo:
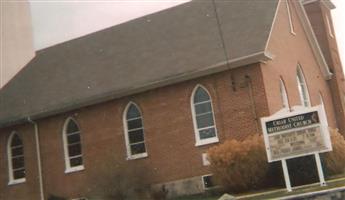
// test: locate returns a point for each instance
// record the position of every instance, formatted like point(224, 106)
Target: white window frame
point(68, 167)
point(292, 30)
point(13, 181)
point(200, 142)
point(330, 30)
point(203, 182)
point(125, 126)
point(302, 86)
point(283, 94)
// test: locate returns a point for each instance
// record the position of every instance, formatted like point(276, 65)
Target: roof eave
point(219, 67)
point(329, 4)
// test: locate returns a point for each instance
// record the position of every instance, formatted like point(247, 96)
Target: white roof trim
point(311, 38)
point(274, 20)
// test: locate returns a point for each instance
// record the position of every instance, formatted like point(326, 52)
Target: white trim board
point(314, 44)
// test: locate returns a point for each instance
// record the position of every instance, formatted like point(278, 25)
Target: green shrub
point(242, 165)
point(334, 161)
point(239, 165)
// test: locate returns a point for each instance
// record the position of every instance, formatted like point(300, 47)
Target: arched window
point(72, 146)
point(302, 88)
point(16, 166)
point(134, 132)
point(321, 99)
point(283, 94)
point(203, 117)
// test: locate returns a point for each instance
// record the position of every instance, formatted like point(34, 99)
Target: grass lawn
point(334, 183)
point(275, 193)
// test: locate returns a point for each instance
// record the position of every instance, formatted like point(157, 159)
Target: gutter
point(259, 57)
point(252, 101)
point(38, 152)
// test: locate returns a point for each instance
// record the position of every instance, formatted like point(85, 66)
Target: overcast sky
point(60, 20)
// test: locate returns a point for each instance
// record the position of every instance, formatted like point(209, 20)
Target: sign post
point(319, 170)
point(301, 132)
point(286, 176)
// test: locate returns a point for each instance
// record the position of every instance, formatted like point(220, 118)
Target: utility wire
point(221, 35)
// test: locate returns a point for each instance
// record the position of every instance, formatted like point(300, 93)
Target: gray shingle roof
point(163, 48)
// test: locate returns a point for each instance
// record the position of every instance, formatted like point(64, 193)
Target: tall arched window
point(134, 132)
point(321, 99)
point(15, 152)
point(302, 88)
point(283, 94)
point(203, 117)
point(72, 146)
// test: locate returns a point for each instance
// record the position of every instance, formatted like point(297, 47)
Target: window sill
point(17, 181)
point(207, 141)
point(74, 169)
point(137, 156)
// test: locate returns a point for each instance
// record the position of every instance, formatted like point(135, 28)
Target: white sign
point(303, 131)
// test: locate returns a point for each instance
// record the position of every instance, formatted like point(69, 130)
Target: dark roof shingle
point(136, 55)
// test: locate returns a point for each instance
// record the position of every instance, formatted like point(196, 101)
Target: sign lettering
point(294, 134)
point(297, 121)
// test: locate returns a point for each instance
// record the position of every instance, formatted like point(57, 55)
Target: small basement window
point(208, 182)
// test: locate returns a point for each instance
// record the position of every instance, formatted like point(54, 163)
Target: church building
point(157, 92)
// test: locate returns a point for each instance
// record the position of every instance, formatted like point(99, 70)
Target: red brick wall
point(169, 132)
point(288, 51)
point(29, 189)
point(317, 13)
point(240, 97)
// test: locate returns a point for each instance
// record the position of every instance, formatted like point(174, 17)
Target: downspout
point(38, 152)
point(252, 101)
